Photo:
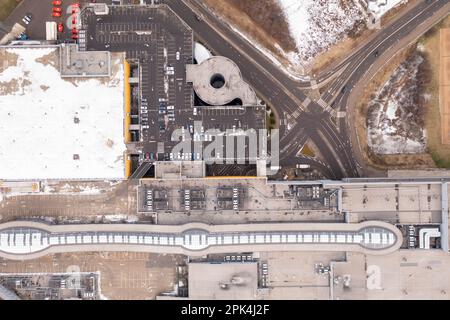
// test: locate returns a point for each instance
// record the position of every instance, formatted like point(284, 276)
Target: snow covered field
point(395, 118)
point(380, 7)
point(47, 122)
point(316, 25)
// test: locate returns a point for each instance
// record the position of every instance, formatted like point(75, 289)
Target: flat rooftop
point(226, 281)
point(76, 63)
point(410, 203)
point(404, 275)
point(59, 128)
point(217, 195)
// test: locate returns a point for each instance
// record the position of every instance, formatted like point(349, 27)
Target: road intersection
point(315, 119)
point(326, 118)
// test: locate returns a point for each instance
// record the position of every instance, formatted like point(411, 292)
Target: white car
point(178, 55)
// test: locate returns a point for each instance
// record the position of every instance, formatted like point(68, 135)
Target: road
point(363, 72)
point(300, 121)
point(271, 84)
point(300, 118)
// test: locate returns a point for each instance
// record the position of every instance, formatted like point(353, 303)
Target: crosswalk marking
point(322, 103)
point(306, 102)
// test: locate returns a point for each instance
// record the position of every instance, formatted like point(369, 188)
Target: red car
point(74, 36)
point(57, 3)
point(75, 10)
point(74, 31)
point(74, 21)
point(57, 9)
point(56, 14)
point(76, 5)
point(60, 27)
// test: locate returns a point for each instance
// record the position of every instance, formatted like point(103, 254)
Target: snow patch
point(201, 53)
point(391, 110)
point(380, 7)
point(316, 25)
point(394, 123)
point(48, 121)
point(292, 57)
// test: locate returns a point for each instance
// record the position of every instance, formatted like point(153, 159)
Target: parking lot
point(158, 45)
point(41, 12)
point(123, 275)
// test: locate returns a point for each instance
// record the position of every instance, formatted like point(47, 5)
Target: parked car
point(74, 31)
point(60, 27)
point(74, 36)
point(57, 9)
point(22, 36)
point(56, 14)
point(57, 3)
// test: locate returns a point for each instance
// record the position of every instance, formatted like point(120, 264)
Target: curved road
point(300, 121)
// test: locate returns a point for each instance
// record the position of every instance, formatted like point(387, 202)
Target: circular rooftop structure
point(218, 81)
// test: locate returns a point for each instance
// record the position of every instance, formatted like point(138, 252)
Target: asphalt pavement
point(41, 11)
point(274, 86)
point(298, 121)
point(286, 96)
